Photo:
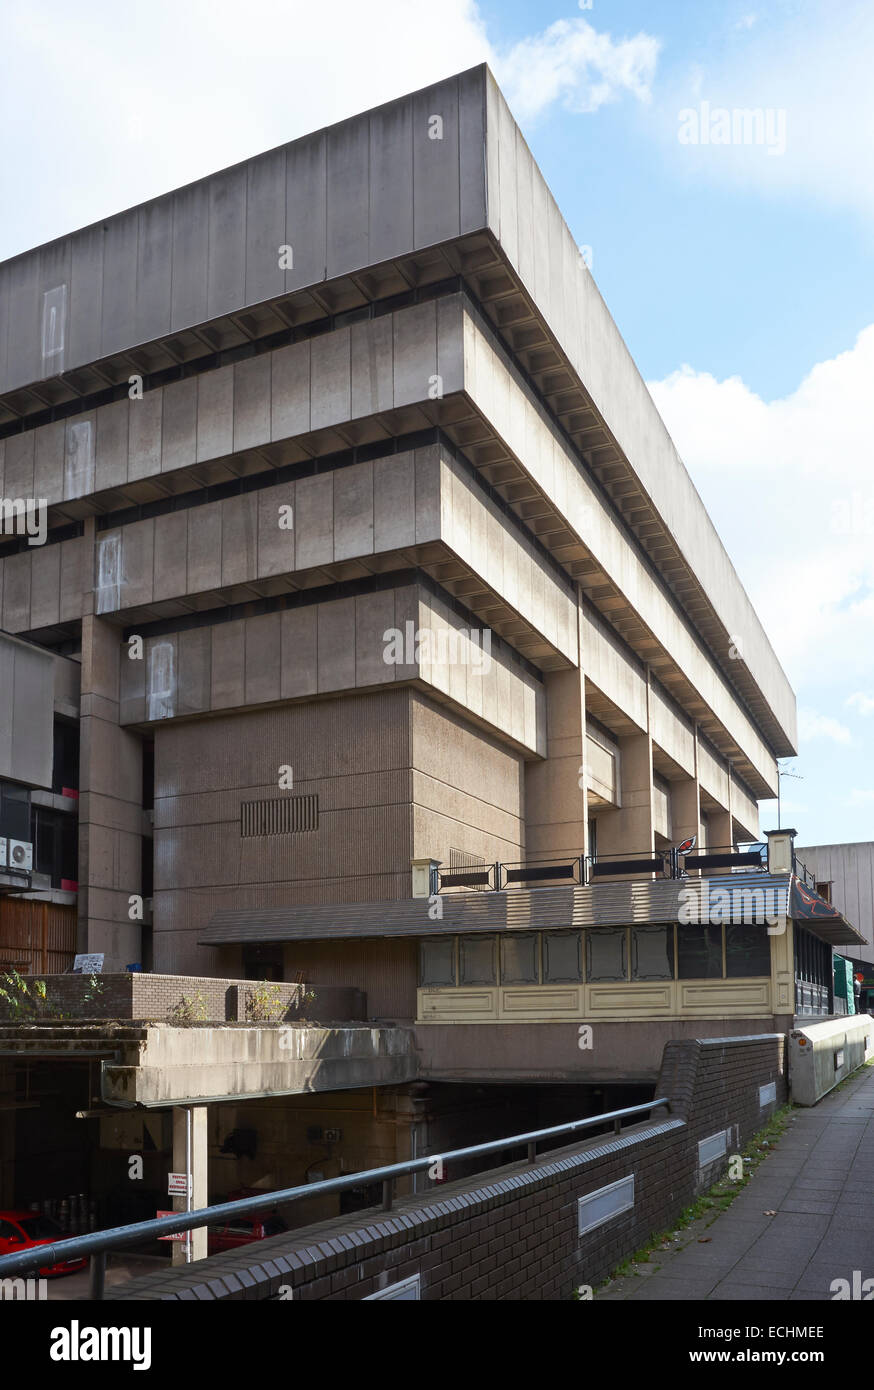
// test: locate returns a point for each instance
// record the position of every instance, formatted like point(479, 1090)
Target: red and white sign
point(178, 1184)
point(177, 1235)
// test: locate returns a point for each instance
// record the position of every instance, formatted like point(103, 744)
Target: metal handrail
point(97, 1243)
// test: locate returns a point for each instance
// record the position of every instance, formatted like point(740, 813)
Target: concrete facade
point(373, 549)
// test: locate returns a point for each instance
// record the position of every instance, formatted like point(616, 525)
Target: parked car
point(242, 1230)
point(19, 1230)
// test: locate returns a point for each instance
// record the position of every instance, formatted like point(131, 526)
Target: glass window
point(477, 960)
point(652, 953)
point(699, 952)
point(437, 962)
point(747, 951)
point(562, 957)
point(606, 954)
point(519, 959)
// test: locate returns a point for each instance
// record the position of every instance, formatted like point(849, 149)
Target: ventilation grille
point(460, 859)
point(284, 815)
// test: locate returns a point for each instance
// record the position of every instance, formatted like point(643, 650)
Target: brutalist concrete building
point(409, 660)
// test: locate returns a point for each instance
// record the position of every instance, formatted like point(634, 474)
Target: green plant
point(265, 1004)
point(22, 1001)
point(189, 1010)
point(94, 990)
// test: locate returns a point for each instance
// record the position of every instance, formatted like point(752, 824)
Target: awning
point(652, 901)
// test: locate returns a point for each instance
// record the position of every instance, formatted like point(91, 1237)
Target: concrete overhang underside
point(734, 898)
point(158, 1065)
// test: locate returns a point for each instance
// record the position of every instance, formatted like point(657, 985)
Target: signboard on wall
point(88, 964)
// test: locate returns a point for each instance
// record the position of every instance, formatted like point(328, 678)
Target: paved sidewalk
point(820, 1183)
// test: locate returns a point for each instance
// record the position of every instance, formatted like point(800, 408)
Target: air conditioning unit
point(20, 855)
point(2, 851)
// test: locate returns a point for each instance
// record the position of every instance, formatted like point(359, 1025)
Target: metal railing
point(587, 869)
point(97, 1243)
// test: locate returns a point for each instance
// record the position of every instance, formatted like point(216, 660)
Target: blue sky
point(740, 279)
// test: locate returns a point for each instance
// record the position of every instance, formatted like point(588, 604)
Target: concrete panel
point(108, 571)
point(265, 226)
point(275, 536)
point(306, 210)
point(435, 163)
point(84, 342)
point(239, 530)
point(391, 181)
point(171, 571)
point(54, 306)
point(195, 670)
point(132, 689)
point(118, 317)
point(290, 391)
point(314, 521)
point(144, 440)
point(137, 563)
point(76, 578)
point(336, 638)
point(204, 547)
point(32, 716)
point(372, 366)
point(331, 378)
point(263, 658)
point(227, 687)
point(374, 615)
point(348, 167)
point(227, 242)
point(188, 304)
point(252, 402)
point(415, 353)
point(79, 457)
point(179, 426)
point(110, 469)
point(394, 501)
point(472, 143)
point(299, 675)
point(353, 511)
point(428, 498)
point(215, 414)
point(45, 593)
point(154, 261)
point(25, 322)
point(162, 664)
point(450, 344)
point(18, 481)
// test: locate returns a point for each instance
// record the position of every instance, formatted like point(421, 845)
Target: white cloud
point(150, 97)
point(864, 704)
point(814, 69)
point(861, 798)
point(812, 725)
point(571, 63)
point(790, 488)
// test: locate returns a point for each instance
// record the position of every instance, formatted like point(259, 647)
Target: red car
point(19, 1230)
point(242, 1230)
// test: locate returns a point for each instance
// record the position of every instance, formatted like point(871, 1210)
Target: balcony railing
point(587, 869)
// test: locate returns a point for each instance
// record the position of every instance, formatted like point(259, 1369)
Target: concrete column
point(630, 829)
point(555, 801)
point(685, 810)
point(199, 1173)
point(110, 805)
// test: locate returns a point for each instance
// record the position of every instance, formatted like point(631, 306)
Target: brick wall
point(511, 1233)
point(146, 996)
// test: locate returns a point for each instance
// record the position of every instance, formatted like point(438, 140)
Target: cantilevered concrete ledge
point(156, 1065)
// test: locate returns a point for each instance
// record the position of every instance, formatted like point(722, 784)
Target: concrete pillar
point(110, 805)
point(198, 1170)
point(685, 810)
point(555, 800)
point(630, 829)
